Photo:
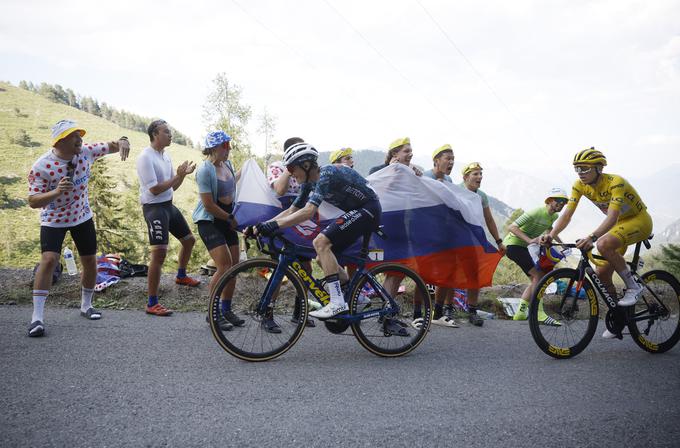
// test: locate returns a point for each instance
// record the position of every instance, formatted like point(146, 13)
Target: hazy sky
point(518, 84)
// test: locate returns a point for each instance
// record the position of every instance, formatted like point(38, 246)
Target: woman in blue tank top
point(216, 181)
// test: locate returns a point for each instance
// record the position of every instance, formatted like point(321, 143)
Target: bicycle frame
point(287, 256)
point(586, 270)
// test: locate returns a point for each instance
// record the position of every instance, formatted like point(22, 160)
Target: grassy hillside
point(27, 118)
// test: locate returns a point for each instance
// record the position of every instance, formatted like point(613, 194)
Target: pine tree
point(114, 231)
point(670, 257)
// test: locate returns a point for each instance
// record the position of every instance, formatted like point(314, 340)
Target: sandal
point(91, 314)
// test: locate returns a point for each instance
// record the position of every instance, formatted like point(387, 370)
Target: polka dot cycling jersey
point(69, 208)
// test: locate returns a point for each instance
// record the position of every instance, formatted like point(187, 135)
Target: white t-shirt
point(153, 167)
point(70, 208)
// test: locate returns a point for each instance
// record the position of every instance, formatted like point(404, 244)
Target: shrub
point(21, 138)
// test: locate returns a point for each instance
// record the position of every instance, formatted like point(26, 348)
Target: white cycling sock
point(628, 279)
point(336, 292)
point(86, 301)
point(39, 297)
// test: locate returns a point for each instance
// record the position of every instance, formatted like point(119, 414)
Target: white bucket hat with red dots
point(64, 128)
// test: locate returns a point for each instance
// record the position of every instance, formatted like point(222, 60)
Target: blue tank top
point(225, 187)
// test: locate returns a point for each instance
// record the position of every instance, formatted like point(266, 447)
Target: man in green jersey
point(527, 229)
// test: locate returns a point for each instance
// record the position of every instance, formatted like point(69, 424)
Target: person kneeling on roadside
point(526, 230)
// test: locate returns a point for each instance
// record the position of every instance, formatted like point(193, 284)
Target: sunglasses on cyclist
point(582, 169)
point(561, 200)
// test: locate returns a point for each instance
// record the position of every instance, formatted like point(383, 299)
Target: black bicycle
point(569, 296)
point(273, 296)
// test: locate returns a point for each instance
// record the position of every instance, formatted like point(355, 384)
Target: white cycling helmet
point(299, 153)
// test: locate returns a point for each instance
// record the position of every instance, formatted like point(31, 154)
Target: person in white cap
point(528, 229)
point(58, 186)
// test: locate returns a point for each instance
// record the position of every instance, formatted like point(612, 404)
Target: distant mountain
point(671, 234)
point(364, 159)
point(659, 191)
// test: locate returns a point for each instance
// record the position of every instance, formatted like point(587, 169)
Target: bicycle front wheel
point(396, 333)
point(654, 323)
point(562, 320)
point(262, 335)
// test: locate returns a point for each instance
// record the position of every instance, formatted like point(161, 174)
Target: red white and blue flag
point(435, 228)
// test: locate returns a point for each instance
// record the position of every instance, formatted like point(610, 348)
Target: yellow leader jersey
point(610, 190)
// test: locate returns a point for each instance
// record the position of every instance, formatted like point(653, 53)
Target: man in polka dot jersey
point(57, 185)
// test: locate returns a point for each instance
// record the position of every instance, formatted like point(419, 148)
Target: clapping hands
point(185, 168)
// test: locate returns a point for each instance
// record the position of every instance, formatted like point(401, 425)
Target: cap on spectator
point(64, 128)
point(399, 142)
point(215, 138)
point(557, 193)
point(470, 167)
point(339, 154)
point(440, 150)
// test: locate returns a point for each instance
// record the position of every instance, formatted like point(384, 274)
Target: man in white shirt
point(156, 185)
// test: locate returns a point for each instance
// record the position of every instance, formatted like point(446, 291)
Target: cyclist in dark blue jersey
point(345, 189)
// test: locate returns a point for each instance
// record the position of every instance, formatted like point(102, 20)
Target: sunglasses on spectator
point(583, 170)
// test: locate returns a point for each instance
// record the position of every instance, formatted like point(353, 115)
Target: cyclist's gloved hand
point(248, 232)
point(267, 228)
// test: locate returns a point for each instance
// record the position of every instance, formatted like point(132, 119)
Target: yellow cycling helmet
point(440, 150)
point(399, 142)
point(339, 154)
point(590, 156)
point(470, 167)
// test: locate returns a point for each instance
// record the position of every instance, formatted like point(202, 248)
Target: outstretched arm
point(122, 145)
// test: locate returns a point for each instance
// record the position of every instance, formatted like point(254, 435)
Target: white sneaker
point(330, 310)
point(630, 297)
point(608, 334)
point(418, 323)
point(445, 321)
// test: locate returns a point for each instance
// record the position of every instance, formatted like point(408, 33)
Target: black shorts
point(218, 233)
point(164, 218)
point(520, 255)
point(351, 226)
point(84, 236)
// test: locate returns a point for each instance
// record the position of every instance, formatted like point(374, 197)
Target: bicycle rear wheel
point(563, 322)
point(655, 321)
point(395, 334)
point(255, 340)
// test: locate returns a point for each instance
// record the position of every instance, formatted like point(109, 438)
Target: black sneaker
point(233, 319)
point(222, 323)
point(310, 322)
point(36, 329)
point(394, 327)
point(270, 326)
point(474, 319)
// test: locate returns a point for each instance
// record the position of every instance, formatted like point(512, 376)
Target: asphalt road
point(137, 380)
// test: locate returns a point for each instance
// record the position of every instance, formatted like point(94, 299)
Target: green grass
point(25, 111)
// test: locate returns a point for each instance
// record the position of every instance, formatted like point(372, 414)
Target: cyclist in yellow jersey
point(627, 220)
